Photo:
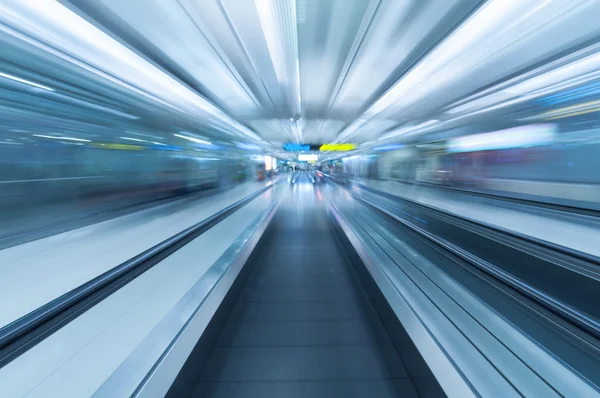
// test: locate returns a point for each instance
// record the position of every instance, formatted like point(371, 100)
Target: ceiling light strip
point(193, 139)
point(24, 81)
point(52, 137)
point(54, 28)
point(278, 20)
point(495, 28)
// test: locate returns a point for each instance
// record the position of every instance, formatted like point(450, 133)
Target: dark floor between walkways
point(304, 326)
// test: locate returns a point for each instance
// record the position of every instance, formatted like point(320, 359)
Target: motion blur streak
point(55, 25)
point(473, 124)
point(4, 75)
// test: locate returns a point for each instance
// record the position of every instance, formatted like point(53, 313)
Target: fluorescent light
point(193, 139)
point(132, 139)
point(28, 82)
point(53, 137)
point(268, 163)
point(158, 143)
point(307, 157)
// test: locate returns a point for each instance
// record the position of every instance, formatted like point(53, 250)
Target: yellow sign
point(123, 147)
point(337, 147)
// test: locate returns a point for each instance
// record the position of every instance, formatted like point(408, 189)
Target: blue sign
point(291, 147)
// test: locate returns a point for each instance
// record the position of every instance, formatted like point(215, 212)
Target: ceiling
point(277, 71)
point(296, 71)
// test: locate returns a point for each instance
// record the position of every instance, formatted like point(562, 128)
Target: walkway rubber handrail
point(562, 310)
point(552, 246)
point(492, 195)
point(483, 346)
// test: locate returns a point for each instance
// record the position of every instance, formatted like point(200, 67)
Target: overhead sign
point(122, 147)
point(307, 157)
point(296, 147)
point(337, 147)
point(293, 147)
